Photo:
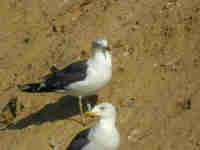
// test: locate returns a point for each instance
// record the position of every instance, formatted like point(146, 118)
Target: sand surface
point(156, 70)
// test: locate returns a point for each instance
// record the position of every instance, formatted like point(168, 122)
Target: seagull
point(81, 78)
point(103, 135)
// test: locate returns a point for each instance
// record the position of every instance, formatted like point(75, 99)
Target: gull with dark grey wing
point(103, 135)
point(82, 78)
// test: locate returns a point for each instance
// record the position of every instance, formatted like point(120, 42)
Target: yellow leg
point(81, 110)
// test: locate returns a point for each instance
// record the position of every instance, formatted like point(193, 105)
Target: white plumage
point(82, 78)
point(103, 135)
point(99, 73)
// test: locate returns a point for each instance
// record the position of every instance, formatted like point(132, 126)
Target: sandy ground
point(156, 70)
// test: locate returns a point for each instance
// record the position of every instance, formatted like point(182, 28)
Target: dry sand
point(156, 70)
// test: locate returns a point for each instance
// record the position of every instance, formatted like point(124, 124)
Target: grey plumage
point(58, 79)
point(83, 78)
point(80, 140)
point(103, 135)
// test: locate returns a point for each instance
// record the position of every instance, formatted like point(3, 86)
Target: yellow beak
point(90, 114)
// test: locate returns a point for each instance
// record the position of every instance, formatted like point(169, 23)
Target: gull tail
point(34, 88)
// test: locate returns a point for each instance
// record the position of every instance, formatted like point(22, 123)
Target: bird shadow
point(64, 108)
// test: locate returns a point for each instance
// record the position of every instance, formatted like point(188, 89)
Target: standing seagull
point(103, 135)
point(82, 78)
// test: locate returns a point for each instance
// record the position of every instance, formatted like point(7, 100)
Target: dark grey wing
point(75, 67)
point(79, 141)
point(62, 78)
point(58, 79)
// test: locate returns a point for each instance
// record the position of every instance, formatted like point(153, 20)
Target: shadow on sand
point(64, 108)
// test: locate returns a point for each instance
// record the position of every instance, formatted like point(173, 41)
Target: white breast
point(99, 73)
point(104, 140)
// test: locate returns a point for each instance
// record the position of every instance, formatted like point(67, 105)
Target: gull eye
point(102, 107)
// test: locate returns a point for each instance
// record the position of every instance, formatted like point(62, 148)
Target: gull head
point(100, 43)
point(103, 110)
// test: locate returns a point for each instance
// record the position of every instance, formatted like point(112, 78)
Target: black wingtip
point(22, 87)
point(35, 87)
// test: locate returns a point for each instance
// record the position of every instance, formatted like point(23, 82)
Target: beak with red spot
point(90, 114)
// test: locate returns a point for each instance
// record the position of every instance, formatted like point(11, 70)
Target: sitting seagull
point(103, 135)
point(82, 78)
